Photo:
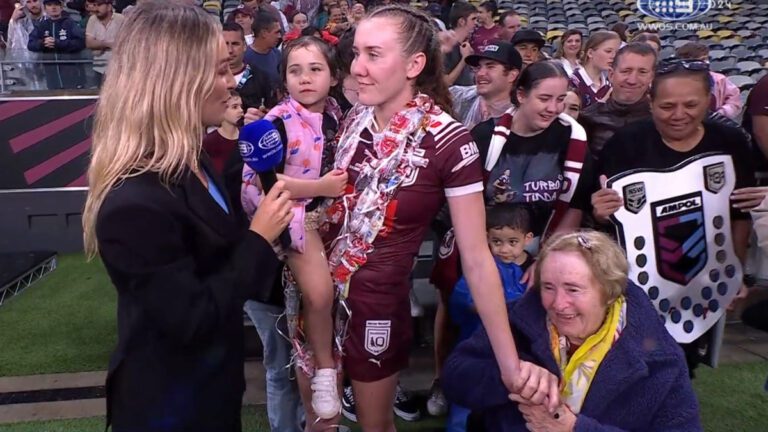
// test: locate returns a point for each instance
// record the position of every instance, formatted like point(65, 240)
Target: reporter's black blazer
point(182, 268)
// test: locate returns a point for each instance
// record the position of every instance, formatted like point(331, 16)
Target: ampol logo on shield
point(674, 10)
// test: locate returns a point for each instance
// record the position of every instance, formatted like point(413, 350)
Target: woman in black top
point(174, 245)
point(678, 132)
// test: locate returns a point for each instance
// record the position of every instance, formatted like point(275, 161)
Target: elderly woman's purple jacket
point(641, 385)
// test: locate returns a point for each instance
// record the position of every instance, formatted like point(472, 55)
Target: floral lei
point(362, 210)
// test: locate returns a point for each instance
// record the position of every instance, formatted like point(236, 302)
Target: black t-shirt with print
point(640, 146)
point(529, 169)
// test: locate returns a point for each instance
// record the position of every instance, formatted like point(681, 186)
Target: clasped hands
point(537, 393)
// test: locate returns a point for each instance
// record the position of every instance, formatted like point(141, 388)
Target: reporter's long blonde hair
point(149, 114)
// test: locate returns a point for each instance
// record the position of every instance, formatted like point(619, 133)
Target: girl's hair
point(604, 257)
point(575, 91)
point(306, 42)
point(344, 53)
point(535, 72)
point(310, 31)
point(138, 125)
point(491, 7)
point(648, 37)
point(620, 29)
point(294, 14)
point(560, 53)
point(595, 40)
point(419, 34)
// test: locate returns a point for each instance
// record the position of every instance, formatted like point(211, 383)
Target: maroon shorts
point(380, 331)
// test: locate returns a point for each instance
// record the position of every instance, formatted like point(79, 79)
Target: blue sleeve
point(471, 377)
point(460, 303)
point(510, 279)
point(35, 39)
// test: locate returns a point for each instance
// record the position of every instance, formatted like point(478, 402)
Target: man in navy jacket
point(55, 35)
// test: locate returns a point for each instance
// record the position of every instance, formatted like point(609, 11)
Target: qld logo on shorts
point(377, 336)
point(680, 237)
point(674, 10)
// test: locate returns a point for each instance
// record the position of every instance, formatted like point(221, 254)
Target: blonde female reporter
point(178, 250)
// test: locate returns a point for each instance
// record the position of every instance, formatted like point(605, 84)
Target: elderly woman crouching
point(586, 323)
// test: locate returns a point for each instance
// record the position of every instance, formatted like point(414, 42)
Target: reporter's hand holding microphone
point(274, 213)
point(261, 147)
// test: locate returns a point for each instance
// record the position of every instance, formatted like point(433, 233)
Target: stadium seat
point(716, 54)
point(743, 82)
point(553, 34)
point(724, 68)
point(749, 67)
point(741, 52)
point(730, 43)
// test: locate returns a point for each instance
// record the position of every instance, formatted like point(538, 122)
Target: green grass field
point(66, 323)
point(732, 400)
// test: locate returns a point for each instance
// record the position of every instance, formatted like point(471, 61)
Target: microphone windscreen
point(260, 146)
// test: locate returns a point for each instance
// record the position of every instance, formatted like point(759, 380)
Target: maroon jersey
point(378, 293)
point(453, 169)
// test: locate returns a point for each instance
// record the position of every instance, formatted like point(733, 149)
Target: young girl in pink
point(306, 120)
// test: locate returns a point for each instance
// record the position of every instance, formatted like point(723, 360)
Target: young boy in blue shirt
point(509, 233)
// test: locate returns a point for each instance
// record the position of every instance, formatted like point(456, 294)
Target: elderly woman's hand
point(539, 419)
point(534, 384)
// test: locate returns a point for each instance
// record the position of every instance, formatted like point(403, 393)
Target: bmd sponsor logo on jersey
point(680, 237)
point(674, 10)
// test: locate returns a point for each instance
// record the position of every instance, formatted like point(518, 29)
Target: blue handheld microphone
point(261, 147)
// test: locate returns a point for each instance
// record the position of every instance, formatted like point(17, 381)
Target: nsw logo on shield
point(634, 197)
point(680, 237)
point(674, 10)
point(377, 336)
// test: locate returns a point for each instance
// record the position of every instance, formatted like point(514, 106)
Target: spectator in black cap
point(496, 68)
point(528, 43)
point(57, 33)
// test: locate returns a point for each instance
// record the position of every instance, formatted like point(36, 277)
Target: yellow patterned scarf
point(578, 371)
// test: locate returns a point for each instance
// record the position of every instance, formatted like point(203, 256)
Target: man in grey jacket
point(27, 14)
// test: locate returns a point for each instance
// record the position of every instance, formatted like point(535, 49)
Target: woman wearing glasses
point(678, 135)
